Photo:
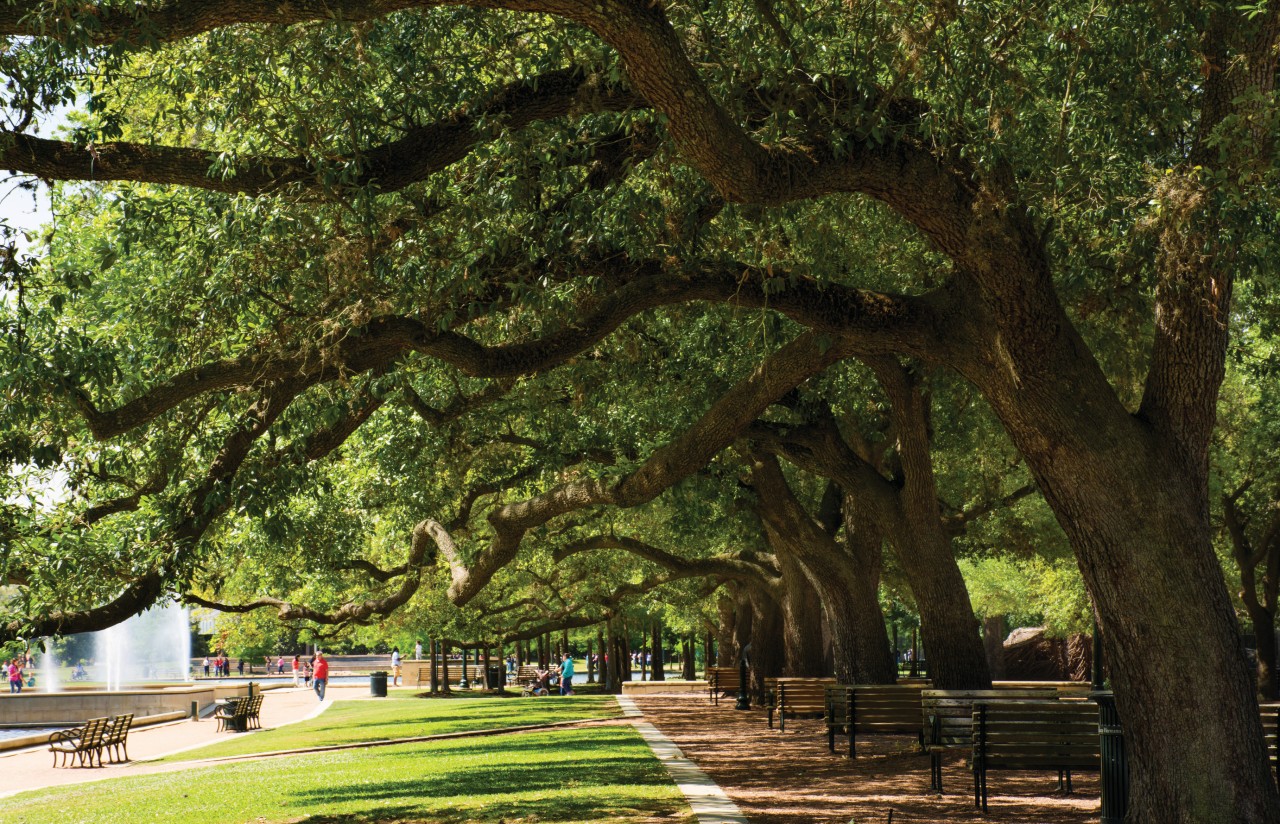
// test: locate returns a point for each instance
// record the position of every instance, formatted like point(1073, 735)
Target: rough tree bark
point(658, 669)
point(846, 588)
point(726, 640)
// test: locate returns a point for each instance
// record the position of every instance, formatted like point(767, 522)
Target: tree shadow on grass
point(568, 781)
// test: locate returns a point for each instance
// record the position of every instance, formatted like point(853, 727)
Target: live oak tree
point(1030, 165)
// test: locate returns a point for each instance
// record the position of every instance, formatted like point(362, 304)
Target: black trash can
point(378, 684)
point(496, 677)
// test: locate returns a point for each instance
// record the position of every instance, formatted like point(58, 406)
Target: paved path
point(709, 803)
point(31, 769)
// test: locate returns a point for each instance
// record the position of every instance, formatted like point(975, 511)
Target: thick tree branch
point(421, 152)
point(694, 448)
point(722, 567)
point(866, 321)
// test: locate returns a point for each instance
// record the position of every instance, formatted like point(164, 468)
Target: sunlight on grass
point(349, 722)
point(603, 774)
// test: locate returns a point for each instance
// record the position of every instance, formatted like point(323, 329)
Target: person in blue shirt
point(566, 675)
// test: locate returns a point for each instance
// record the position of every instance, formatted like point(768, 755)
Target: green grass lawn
point(349, 722)
point(601, 774)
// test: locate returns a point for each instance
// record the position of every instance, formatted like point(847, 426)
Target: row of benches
point(1020, 726)
point(97, 736)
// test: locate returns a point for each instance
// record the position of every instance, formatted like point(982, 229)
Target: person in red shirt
point(320, 679)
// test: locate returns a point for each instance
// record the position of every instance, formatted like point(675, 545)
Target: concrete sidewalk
point(32, 769)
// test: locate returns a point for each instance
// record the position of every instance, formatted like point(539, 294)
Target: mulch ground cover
point(791, 778)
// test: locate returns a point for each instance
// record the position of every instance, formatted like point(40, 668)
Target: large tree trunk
point(845, 579)
point(993, 632)
point(948, 627)
point(689, 663)
point(1264, 631)
point(801, 621)
point(726, 646)
point(658, 669)
point(1131, 493)
point(908, 515)
point(766, 652)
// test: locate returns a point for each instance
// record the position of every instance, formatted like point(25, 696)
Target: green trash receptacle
point(378, 684)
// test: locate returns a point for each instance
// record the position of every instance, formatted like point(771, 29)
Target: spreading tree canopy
point(290, 232)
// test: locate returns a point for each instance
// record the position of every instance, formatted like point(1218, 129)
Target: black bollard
point(744, 700)
point(1115, 764)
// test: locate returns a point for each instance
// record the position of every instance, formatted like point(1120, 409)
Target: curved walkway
point(31, 769)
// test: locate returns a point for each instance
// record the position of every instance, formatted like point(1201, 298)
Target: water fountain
point(152, 646)
point(143, 663)
point(49, 681)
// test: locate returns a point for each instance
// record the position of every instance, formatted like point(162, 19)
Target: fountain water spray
point(152, 646)
point(49, 680)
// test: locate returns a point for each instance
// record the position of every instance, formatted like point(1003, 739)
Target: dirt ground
point(791, 778)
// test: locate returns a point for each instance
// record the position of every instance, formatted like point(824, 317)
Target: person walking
point(320, 678)
point(417, 651)
point(395, 667)
point(15, 676)
point(206, 666)
point(297, 671)
point(566, 675)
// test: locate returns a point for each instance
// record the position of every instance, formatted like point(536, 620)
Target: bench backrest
point(118, 729)
point(1032, 735)
point(803, 695)
point(1066, 689)
point(948, 714)
point(723, 679)
point(1270, 713)
point(877, 708)
point(255, 705)
point(93, 732)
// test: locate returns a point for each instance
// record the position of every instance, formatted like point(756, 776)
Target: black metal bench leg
point(853, 752)
point(1069, 788)
point(831, 738)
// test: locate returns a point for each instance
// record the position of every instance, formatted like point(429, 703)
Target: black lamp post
point(744, 700)
point(463, 683)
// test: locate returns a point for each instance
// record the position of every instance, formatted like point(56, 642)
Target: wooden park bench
point(798, 696)
point(873, 709)
point(83, 742)
point(1034, 735)
point(722, 680)
point(254, 712)
point(947, 717)
point(234, 715)
point(1066, 689)
point(1271, 736)
point(115, 741)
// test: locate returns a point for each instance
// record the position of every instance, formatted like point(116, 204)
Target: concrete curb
point(707, 800)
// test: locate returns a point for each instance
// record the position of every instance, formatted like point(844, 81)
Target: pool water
point(7, 733)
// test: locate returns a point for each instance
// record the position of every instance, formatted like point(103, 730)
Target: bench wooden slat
point(799, 696)
point(1044, 735)
point(876, 709)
